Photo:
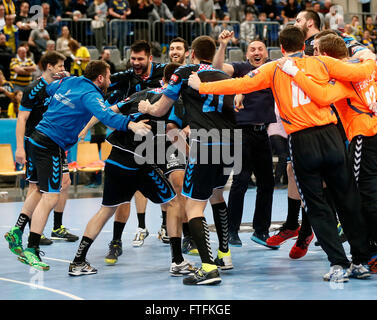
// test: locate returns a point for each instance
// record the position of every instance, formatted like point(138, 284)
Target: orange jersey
point(351, 99)
point(297, 110)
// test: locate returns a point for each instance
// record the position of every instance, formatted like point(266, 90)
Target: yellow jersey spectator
point(21, 69)
point(11, 33)
point(14, 105)
point(80, 56)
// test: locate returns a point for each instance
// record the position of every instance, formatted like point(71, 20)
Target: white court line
point(54, 259)
point(43, 288)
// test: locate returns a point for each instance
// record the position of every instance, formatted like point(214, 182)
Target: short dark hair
point(179, 39)
point(292, 38)
point(52, 58)
point(141, 45)
point(96, 68)
point(311, 14)
point(333, 45)
point(204, 48)
point(324, 33)
point(170, 69)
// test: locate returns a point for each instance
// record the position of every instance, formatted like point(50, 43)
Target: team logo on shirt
point(253, 73)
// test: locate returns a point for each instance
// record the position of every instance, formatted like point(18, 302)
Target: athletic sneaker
point(163, 235)
point(282, 236)
point(202, 277)
point(300, 248)
point(45, 241)
point(234, 239)
point(358, 271)
point(189, 246)
point(141, 234)
point(63, 234)
point(184, 268)
point(14, 238)
point(261, 238)
point(81, 268)
point(336, 274)
point(115, 250)
point(224, 260)
point(372, 263)
point(31, 257)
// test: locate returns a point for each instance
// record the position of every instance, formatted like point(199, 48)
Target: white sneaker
point(336, 274)
point(358, 271)
point(185, 267)
point(163, 235)
point(141, 234)
point(224, 263)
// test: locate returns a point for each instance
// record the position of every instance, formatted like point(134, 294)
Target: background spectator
point(357, 29)
point(80, 5)
point(220, 8)
point(11, 33)
point(38, 40)
point(98, 12)
point(367, 40)
point(2, 16)
point(21, 70)
point(52, 23)
point(372, 29)
point(67, 9)
point(14, 105)
point(105, 56)
point(80, 56)
point(6, 95)
point(183, 12)
point(251, 7)
point(119, 9)
point(234, 9)
point(160, 13)
point(6, 55)
point(317, 8)
point(271, 11)
point(224, 26)
point(247, 31)
point(9, 7)
point(334, 19)
point(290, 11)
point(140, 10)
point(23, 22)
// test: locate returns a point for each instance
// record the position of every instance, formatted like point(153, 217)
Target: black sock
point(141, 220)
point(34, 239)
point(22, 221)
point(176, 250)
point(200, 234)
point(306, 228)
point(83, 249)
point(293, 213)
point(58, 219)
point(185, 229)
point(220, 216)
point(118, 230)
point(163, 217)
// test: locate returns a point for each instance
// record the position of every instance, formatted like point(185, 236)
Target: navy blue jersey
point(126, 83)
point(203, 111)
point(35, 99)
point(126, 140)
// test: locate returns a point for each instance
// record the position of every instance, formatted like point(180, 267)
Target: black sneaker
point(115, 250)
point(189, 246)
point(81, 268)
point(45, 241)
point(261, 238)
point(203, 278)
point(63, 234)
point(234, 239)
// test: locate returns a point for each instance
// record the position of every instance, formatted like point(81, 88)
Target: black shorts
point(45, 163)
point(173, 161)
point(202, 178)
point(29, 165)
point(124, 177)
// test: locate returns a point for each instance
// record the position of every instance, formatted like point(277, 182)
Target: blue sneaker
point(261, 238)
point(358, 271)
point(234, 239)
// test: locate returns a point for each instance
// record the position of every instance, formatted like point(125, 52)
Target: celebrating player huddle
point(197, 102)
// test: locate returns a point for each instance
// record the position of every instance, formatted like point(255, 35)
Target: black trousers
point(279, 146)
point(363, 157)
point(318, 154)
point(257, 159)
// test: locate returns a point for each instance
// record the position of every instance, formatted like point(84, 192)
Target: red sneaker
point(373, 264)
point(282, 236)
point(298, 251)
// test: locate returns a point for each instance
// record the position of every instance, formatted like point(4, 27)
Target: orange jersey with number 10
point(297, 110)
point(353, 106)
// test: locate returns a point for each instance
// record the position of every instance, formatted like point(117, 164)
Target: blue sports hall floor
point(143, 273)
